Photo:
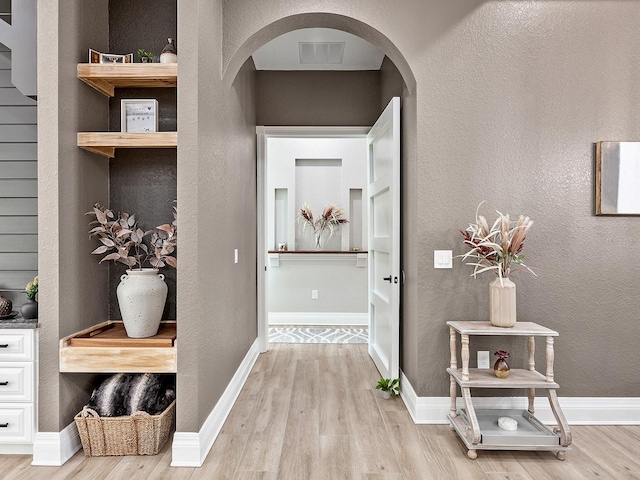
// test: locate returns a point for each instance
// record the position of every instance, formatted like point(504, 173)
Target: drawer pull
point(4, 345)
point(4, 425)
point(4, 384)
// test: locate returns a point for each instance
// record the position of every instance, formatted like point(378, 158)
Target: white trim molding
point(318, 318)
point(55, 448)
point(190, 449)
point(577, 410)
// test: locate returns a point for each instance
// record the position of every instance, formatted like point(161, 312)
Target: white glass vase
point(141, 296)
point(502, 303)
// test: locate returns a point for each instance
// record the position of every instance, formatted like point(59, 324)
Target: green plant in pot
point(389, 387)
point(29, 310)
point(142, 292)
point(145, 57)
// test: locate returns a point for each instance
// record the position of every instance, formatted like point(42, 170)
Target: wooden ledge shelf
point(105, 348)
point(105, 143)
point(107, 77)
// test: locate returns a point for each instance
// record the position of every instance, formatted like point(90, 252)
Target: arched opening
point(393, 58)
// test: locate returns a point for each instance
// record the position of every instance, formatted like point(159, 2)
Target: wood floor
point(310, 412)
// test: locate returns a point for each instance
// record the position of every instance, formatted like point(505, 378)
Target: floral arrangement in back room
point(330, 220)
point(499, 248)
point(124, 239)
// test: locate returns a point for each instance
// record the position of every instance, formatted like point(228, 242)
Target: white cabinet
point(17, 390)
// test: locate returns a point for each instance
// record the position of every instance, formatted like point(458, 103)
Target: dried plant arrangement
point(499, 248)
point(124, 239)
point(330, 220)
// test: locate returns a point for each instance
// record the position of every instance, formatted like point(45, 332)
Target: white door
point(384, 240)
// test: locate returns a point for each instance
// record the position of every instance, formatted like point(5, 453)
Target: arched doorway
point(233, 64)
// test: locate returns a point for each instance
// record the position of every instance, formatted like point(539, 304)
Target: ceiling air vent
point(321, 53)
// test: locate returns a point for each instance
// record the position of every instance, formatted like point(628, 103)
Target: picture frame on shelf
point(98, 57)
point(138, 115)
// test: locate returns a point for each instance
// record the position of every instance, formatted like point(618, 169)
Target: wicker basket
point(138, 434)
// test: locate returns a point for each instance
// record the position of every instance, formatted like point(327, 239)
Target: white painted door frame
point(263, 134)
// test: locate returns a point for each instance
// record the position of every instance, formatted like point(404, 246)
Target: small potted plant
point(145, 57)
point(389, 387)
point(29, 310)
point(501, 367)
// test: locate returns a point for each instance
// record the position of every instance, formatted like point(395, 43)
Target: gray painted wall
point(73, 292)
point(217, 201)
point(18, 187)
point(509, 100)
point(318, 98)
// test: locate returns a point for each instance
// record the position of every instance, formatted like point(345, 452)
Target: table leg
point(549, 359)
point(473, 430)
point(465, 357)
point(452, 348)
point(452, 394)
point(565, 433)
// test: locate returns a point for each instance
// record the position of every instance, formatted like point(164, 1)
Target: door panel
point(384, 241)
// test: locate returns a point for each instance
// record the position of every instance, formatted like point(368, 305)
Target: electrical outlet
point(314, 294)
point(483, 359)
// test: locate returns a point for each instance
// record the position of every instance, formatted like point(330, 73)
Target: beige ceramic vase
point(502, 303)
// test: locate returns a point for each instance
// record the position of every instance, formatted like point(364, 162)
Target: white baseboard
point(55, 448)
point(577, 410)
point(190, 449)
point(318, 318)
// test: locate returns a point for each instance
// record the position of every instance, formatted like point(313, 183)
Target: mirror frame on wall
point(610, 158)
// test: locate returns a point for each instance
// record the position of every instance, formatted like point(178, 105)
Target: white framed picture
point(97, 57)
point(138, 115)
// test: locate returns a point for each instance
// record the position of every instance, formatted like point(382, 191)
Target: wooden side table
point(479, 429)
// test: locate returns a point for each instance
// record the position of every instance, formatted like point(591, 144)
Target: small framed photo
point(97, 57)
point(138, 115)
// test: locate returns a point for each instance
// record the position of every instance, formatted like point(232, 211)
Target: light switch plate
point(442, 259)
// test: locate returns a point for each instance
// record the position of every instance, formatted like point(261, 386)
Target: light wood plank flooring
point(310, 412)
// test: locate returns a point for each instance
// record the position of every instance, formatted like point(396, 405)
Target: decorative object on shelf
point(169, 53)
point(145, 57)
point(618, 178)
point(498, 249)
point(142, 292)
point(5, 306)
point(389, 387)
point(507, 423)
point(29, 310)
point(501, 367)
point(138, 115)
point(282, 247)
point(323, 226)
point(97, 57)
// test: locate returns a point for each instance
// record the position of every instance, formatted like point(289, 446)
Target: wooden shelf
point(103, 349)
point(105, 143)
point(518, 378)
point(107, 77)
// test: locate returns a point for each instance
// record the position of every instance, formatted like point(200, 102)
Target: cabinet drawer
point(16, 423)
point(16, 382)
point(16, 345)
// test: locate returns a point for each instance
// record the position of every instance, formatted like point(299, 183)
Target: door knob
point(388, 279)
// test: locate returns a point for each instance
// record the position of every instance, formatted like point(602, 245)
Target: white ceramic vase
point(386, 395)
point(502, 303)
point(141, 296)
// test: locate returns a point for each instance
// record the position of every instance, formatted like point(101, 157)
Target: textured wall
point(509, 99)
point(143, 181)
point(73, 291)
point(217, 195)
point(318, 98)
